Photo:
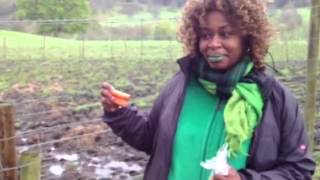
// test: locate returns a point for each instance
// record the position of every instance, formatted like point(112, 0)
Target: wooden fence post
point(141, 39)
point(44, 55)
point(7, 142)
point(31, 165)
point(83, 50)
point(313, 54)
point(4, 48)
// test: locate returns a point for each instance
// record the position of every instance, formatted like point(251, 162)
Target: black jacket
point(280, 145)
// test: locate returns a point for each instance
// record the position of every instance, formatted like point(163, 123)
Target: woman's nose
point(215, 42)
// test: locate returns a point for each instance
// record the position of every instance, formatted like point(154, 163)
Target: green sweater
point(200, 134)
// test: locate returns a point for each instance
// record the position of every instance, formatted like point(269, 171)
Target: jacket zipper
point(217, 108)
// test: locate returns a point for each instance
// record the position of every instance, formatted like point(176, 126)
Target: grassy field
point(23, 46)
point(119, 19)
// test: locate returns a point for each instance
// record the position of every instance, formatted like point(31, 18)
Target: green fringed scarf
point(243, 109)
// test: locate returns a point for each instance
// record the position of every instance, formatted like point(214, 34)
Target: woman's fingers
point(107, 86)
point(107, 99)
point(108, 105)
point(106, 93)
point(113, 99)
point(233, 175)
point(220, 177)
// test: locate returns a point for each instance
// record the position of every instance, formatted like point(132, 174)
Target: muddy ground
point(67, 130)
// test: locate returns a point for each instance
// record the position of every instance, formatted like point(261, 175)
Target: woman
point(221, 95)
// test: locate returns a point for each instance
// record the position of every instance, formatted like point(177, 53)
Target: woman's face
point(220, 42)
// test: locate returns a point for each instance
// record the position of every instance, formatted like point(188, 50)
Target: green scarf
point(244, 104)
point(225, 81)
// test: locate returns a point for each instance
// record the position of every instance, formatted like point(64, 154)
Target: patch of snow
point(23, 148)
point(94, 165)
point(67, 157)
point(116, 164)
point(56, 170)
point(122, 165)
point(134, 167)
point(103, 173)
point(96, 159)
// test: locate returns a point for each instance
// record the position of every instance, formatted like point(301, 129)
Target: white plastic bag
point(219, 163)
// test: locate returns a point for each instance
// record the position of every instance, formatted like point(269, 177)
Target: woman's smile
point(214, 57)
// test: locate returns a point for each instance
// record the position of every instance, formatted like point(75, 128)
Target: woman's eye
point(225, 34)
point(205, 36)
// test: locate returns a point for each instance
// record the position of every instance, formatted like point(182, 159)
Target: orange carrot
point(120, 98)
point(121, 102)
point(120, 94)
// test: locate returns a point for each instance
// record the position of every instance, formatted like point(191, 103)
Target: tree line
point(83, 9)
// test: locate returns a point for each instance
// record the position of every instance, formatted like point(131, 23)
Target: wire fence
point(53, 83)
point(138, 38)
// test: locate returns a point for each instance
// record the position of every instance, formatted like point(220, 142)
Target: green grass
point(118, 19)
point(23, 46)
point(303, 12)
point(169, 14)
point(289, 50)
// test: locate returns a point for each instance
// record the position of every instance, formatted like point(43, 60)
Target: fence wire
point(54, 83)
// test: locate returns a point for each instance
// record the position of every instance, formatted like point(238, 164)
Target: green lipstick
point(215, 58)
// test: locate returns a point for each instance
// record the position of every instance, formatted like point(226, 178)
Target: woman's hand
point(107, 100)
point(233, 175)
